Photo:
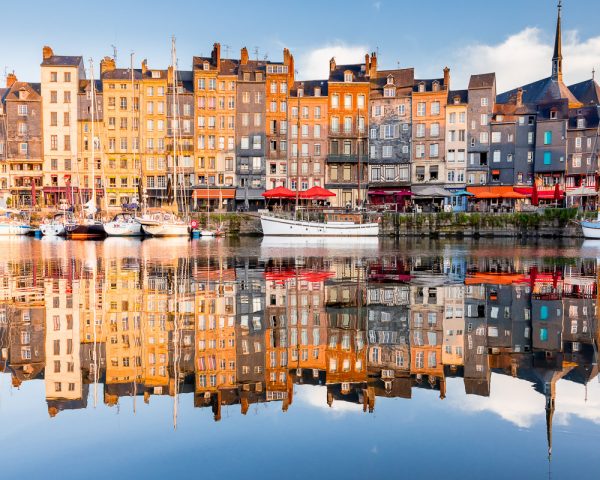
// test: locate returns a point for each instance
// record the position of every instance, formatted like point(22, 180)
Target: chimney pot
point(47, 52)
point(332, 64)
point(11, 78)
point(244, 56)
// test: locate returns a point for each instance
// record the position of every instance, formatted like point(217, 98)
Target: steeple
point(557, 58)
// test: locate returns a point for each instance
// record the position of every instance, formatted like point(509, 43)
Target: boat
point(274, 225)
point(14, 222)
point(85, 228)
point(163, 224)
point(591, 229)
point(123, 225)
point(55, 226)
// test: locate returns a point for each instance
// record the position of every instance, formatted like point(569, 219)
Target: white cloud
point(516, 401)
point(316, 397)
point(314, 64)
point(524, 57)
point(377, 5)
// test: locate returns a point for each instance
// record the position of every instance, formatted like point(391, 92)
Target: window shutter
point(381, 131)
point(397, 130)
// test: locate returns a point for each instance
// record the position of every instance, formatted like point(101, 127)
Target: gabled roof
point(359, 73)
point(34, 88)
point(403, 79)
point(309, 87)
point(186, 77)
point(587, 92)
point(62, 61)
point(482, 80)
point(544, 90)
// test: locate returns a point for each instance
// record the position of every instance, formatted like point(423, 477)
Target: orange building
point(347, 159)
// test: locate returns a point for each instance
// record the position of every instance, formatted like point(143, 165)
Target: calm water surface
point(299, 359)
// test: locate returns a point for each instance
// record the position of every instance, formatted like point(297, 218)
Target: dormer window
point(581, 123)
point(436, 86)
point(300, 92)
point(317, 91)
point(499, 118)
point(390, 80)
point(456, 100)
point(553, 114)
point(23, 94)
point(389, 92)
point(205, 66)
point(347, 77)
point(155, 74)
point(422, 87)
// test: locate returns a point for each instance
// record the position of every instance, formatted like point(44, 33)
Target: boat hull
point(166, 229)
point(83, 231)
point(52, 229)
point(123, 229)
point(14, 229)
point(591, 229)
point(283, 227)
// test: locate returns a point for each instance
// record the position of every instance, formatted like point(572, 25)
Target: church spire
point(557, 57)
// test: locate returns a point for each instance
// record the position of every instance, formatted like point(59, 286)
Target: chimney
point(170, 79)
point(144, 66)
point(447, 78)
point(11, 78)
point(244, 56)
point(216, 56)
point(107, 64)
point(47, 52)
point(332, 64)
point(367, 63)
point(519, 97)
point(373, 66)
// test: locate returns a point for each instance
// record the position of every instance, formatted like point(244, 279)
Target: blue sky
point(512, 37)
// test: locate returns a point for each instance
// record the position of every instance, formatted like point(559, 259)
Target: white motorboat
point(14, 222)
point(55, 226)
point(123, 225)
point(591, 229)
point(163, 224)
point(272, 225)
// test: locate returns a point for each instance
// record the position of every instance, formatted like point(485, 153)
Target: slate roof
point(587, 92)
point(12, 91)
point(541, 91)
point(3, 92)
point(62, 61)
point(402, 78)
point(428, 83)
point(124, 74)
point(309, 87)
point(463, 96)
point(186, 77)
point(359, 73)
point(590, 113)
point(229, 66)
point(482, 80)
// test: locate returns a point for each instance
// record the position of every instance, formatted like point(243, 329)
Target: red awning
point(317, 192)
point(214, 194)
point(279, 192)
point(545, 194)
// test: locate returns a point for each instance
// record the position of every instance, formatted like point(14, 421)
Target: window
point(22, 110)
point(347, 76)
point(435, 108)
point(360, 101)
point(484, 102)
point(435, 130)
point(387, 151)
point(547, 137)
point(335, 100)
point(484, 119)
point(496, 156)
point(347, 101)
point(496, 137)
point(420, 133)
point(547, 158)
point(483, 137)
point(433, 150)
point(421, 109)
point(245, 143)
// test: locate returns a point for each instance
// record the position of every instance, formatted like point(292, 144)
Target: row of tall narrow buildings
point(242, 126)
point(97, 325)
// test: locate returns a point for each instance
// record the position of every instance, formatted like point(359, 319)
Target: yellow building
point(215, 92)
point(120, 139)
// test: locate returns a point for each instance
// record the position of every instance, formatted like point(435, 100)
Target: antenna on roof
point(226, 48)
point(114, 53)
point(377, 51)
point(593, 73)
point(256, 53)
point(266, 56)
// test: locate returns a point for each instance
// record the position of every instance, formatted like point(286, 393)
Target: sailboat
point(124, 224)
point(166, 223)
point(334, 224)
point(208, 232)
point(88, 226)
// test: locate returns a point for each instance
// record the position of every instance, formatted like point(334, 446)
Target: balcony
point(345, 158)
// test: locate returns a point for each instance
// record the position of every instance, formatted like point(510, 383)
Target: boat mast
point(174, 70)
point(297, 151)
point(93, 99)
point(131, 117)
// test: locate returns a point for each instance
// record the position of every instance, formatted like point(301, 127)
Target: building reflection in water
point(100, 321)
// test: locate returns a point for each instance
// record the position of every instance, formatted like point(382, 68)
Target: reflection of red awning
point(214, 194)
point(281, 276)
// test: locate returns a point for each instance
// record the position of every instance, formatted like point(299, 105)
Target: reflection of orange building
point(215, 333)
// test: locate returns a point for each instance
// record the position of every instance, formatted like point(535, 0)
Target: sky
point(514, 38)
